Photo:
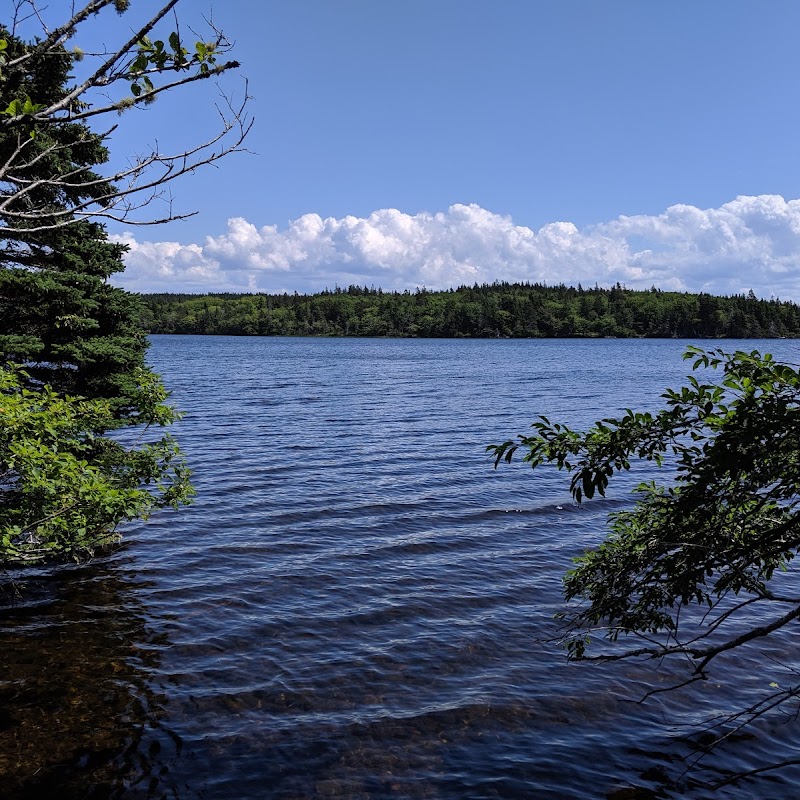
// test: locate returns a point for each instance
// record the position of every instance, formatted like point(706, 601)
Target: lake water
point(357, 604)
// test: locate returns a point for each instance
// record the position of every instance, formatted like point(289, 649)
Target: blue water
point(358, 605)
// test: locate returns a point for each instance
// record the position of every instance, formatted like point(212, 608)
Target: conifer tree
point(72, 352)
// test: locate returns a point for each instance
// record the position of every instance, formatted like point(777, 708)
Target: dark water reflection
point(357, 603)
point(79, 716)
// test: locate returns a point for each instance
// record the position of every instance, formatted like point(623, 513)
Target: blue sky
point(447, 141)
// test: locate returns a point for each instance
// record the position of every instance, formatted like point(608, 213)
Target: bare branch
point(147, 97)
point(754, 633)
point(30, 162)
point(96, 79)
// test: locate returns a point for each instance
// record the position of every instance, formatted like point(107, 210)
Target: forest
point(497, 310)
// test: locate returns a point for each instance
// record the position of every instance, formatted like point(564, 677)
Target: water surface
point(358, 605)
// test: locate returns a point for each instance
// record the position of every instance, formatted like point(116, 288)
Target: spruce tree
point(58, 313)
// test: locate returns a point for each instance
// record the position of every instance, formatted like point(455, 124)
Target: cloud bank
point(748, 243)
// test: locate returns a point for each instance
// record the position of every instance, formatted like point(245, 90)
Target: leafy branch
point(720, 536)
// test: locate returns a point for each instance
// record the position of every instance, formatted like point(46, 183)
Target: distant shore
point(494, 311)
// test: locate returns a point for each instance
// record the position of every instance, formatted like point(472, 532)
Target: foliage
point(499, 310)
point(720, 538)
point(64, 486)
point(66, 477)
point(60, 317)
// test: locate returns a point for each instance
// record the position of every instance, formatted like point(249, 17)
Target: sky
point(445, 142)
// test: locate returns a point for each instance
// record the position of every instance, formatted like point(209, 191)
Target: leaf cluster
point(715, 537)
point(64, 485)
point(156, 57)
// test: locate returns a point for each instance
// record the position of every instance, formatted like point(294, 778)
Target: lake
point(358, 605)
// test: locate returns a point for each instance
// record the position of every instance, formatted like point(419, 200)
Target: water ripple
point(359, 605)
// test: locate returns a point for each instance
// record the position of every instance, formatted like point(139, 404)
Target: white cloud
point(750, 242)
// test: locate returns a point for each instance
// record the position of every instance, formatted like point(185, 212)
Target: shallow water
point(356, 604)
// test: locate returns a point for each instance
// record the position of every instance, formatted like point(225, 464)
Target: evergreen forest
point(498, 310)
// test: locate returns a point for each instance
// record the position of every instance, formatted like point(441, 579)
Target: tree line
point(497, 310)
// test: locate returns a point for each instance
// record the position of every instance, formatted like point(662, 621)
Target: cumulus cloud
point(748, 243)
